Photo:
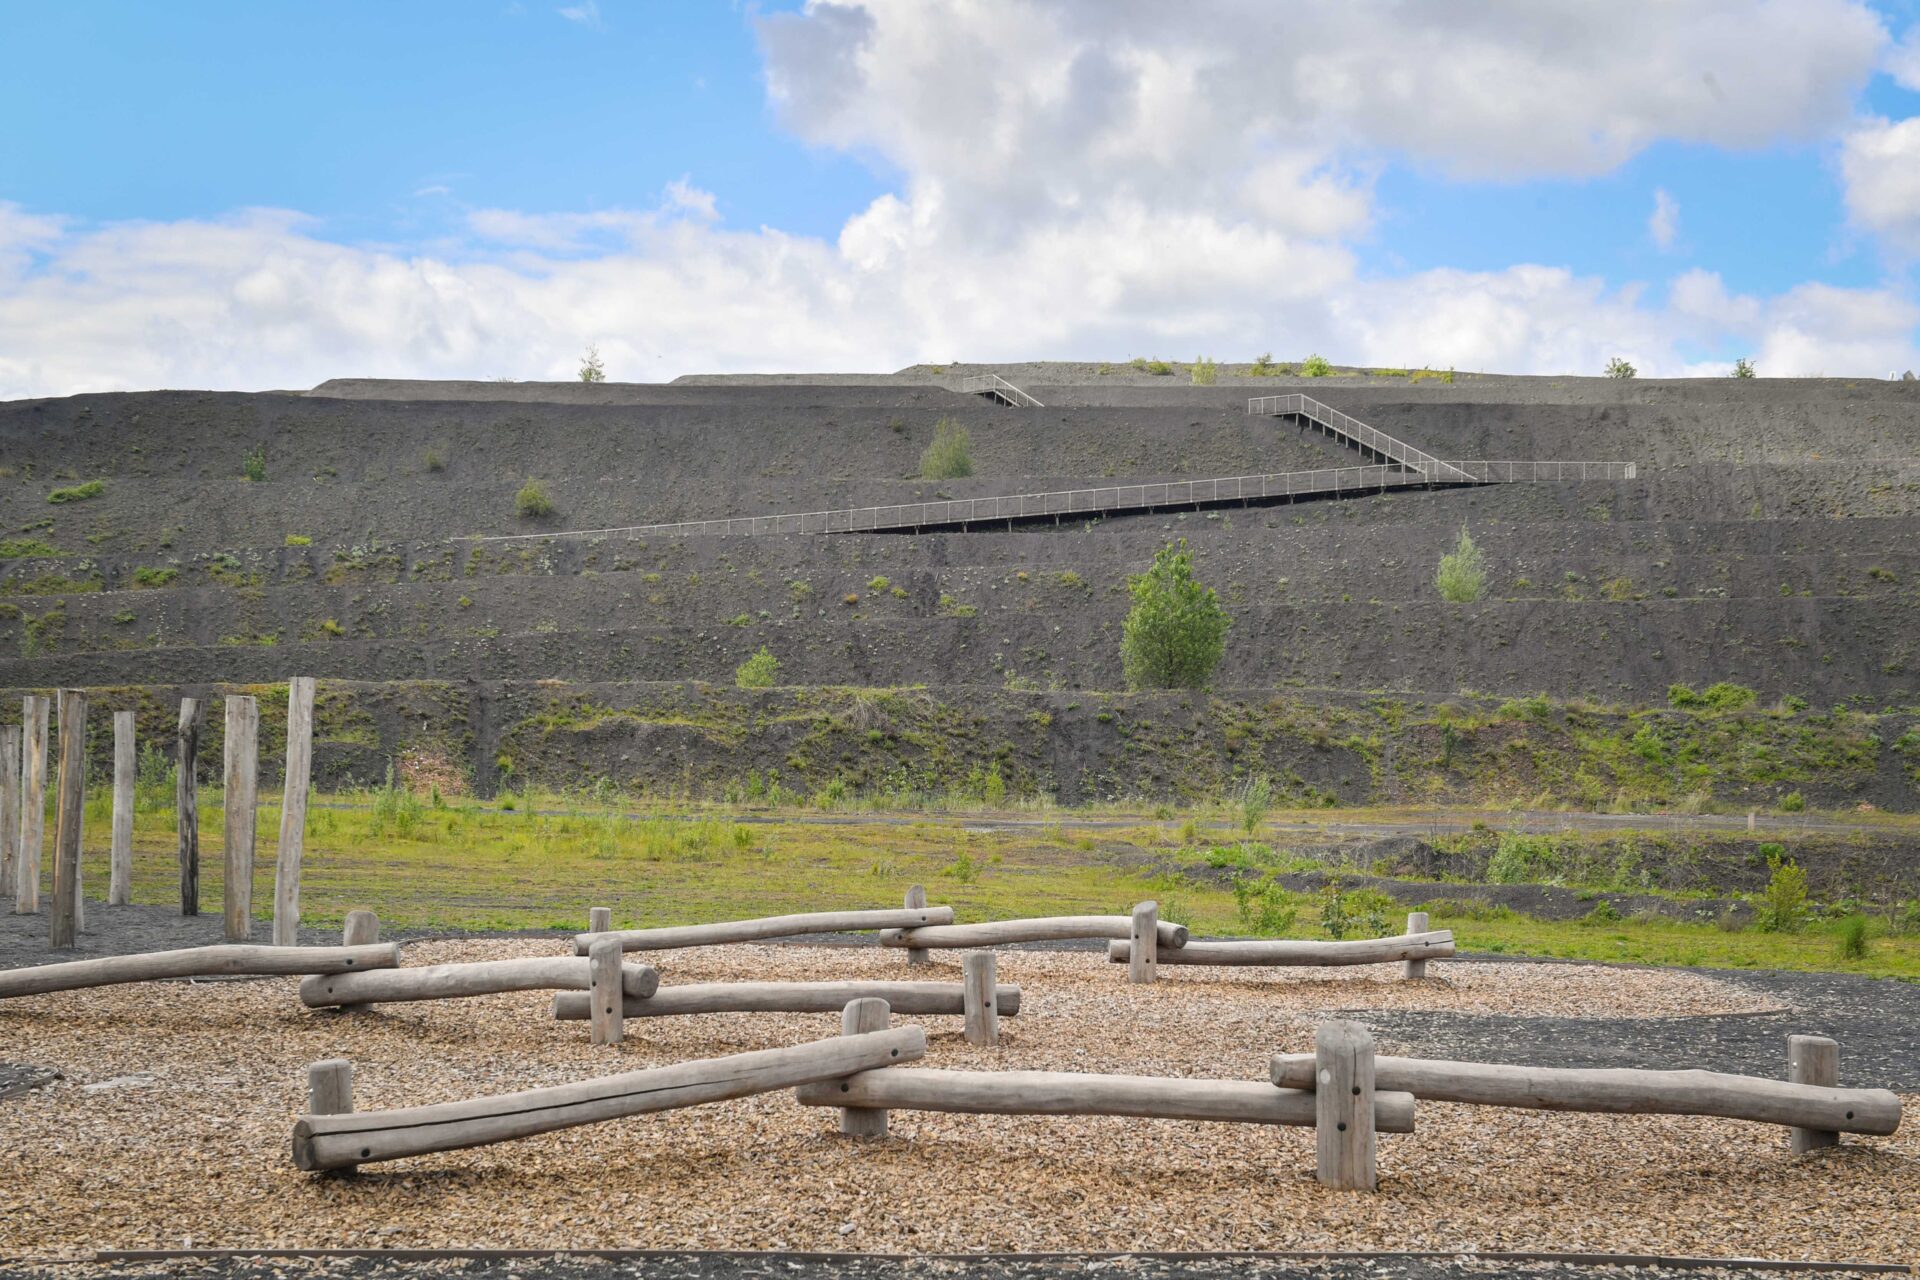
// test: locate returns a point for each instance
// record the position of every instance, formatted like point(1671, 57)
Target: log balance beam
point(454, 981)
point(1434, 945)
point(791, 997)
point(341, 1140)
point(196, 962)
point(997, 933)
point(729, 931)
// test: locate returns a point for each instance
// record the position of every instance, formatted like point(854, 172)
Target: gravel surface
point(173, 1120)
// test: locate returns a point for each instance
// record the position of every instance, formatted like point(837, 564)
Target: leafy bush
point(1266, 908)
point(1263, 366)
point(1743, 368)
point(1204, 371)
point(78, 492)
point(532, 502)
point(1792, 802)
point(1618, 368)
point(254, 465)
point(299, 540)
point(1721, 696)
point(1421, 375)
point(950, 455)
point(1316, 366)
point(1255, 798)
point(153, 779)
point(878, 583)
point(1462, 577)
point(396, 810)
point(1783, 903)
point(1852, 943)
point(20, 548)
point(1176, 631)
point(1362, 912)
point(150, 576)
point(1522, 859)
point(591, 370)
point(759, 671)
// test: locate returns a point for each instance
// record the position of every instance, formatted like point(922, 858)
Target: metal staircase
point(998, 389)
point(1358, 435)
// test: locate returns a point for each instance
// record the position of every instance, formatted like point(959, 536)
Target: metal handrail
point(1115, 499)
point(994, 384)
point(1357, 432)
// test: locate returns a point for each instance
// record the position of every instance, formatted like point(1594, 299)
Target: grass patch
point(77, 493)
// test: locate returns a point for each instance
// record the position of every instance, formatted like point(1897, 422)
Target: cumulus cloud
point(1880, 163)
point(1663, 224)
point(1903, 60)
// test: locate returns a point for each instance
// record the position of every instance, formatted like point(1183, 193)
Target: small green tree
point(254, 465)
point(1783, 904)
point(591, 370)
point(1203, 371)
point(950, 455)
point(759, 671)
point(1618, 368)
point(1255, 798)
point(532, 501)
point(1462, 577)
point(1316, 366)
point(1743, 368)
point(1176, 631)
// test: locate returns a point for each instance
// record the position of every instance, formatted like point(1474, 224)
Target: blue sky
point(796, 186)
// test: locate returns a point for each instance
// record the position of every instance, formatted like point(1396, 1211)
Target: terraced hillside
point(1768, 540)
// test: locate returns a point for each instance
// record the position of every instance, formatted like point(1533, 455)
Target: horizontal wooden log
point(196, 962)
point(1071, 1093)
point(1417, 946)
point(361, 1137)
point(789, 997)
point(1622, 1091)
point(1000, 933)
point(453, 981)
point(726, 931)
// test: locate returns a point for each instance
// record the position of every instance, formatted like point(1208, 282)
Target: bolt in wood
point(1343, 1105)
point(607, 1000)
point(979, 1000)
point(858, 1017)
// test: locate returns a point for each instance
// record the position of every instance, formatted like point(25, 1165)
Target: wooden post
point(9, 811)
point(69, 814)
point(362, 929)
point(33, 803)
point(606, 1001)
point(293, 812)
point(858, 1017)
point(980, 998)
point(125, 768)
point(916, 898)
point(599, 919)
point(1343, 1105)
point(186, 805)
point(330, 1092)
point(1416, 923)
point(1753, 820)
point(1144, 942)
point(242, 783)
point(1813, 1060)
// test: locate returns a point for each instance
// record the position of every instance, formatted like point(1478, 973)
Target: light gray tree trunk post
point(125, 768)
point(293, 812)
point(606, 1000)
point(599, 919)
point(362, 929)
point(1144, 943)
point(33, 803)
point(69, 815)
point(1813, 1060)
point(330, 1093)
point(980, 1003)
point(916, 898)
point(9, 811)
point(186, 805)
point(1343, 1105)
point(239, 813)
point(859, 1017)
point(1416, 923)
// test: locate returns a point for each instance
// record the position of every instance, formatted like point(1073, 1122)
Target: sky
point(253, 195)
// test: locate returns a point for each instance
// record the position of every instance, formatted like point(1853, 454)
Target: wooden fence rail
point(1420, 946)
point(790, 997)
point(997, 933)
point(731, 931)
point(456, 981)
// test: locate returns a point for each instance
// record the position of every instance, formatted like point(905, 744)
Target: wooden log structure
point(457, 981)
point(33, 804)
point(1418, 946)
point(979, 989)
point(293, 812)
point(70, 809)
point(239, 808)
point(9, 813)
point(1812, 1060)
point(1417, 923)
point(791, 997)
point(1345, 1144)
point(1143, 943)
point(125, 772)
point(859, 1018)
point(338, 1141)
point(360, 928)
point(186, 805)
point(599, 919)
point(1001, 933)
point(1073, 1093)
point(606, 992)
point(711, 935)
point(194, 962)
point(1622, 1091)
point(915, 901)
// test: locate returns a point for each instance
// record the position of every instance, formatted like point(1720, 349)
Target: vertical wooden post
point(916, 899)
point(1343, 1105)
point(186, 805)
point(859, 1017)
point(1753, 820)
point(120, 858)
point(9, 812)
point(1144, 943)
point(330, 1091)
point(239, 812)
point(1813, 1060)
point(1416, 923)
point(606, 998)
point(980, 997)
point(293, 812)
point(33, 802)
point(69, 813)
point(362, 929)
point(599, 919)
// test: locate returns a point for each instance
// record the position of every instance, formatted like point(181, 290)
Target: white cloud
point(1880, 164)
point(1663, 224)
point(1903, 60)
point(586, 13)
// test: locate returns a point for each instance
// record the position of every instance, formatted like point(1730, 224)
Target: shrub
point(150, 576)
point(878, 583)
point(1522, 859)
point(396, 810)
point(299, 540)
point(78, 492)
point(1362, 912)
point(1176, 631)
point(1743, 368)
point(1618, 368)
point(1783, 903)
point(1853, 937)
point(1266, 908)
point(1316, 366)
point(1204, 371)
point(950, 455)
point(759, 671)
point(1263, 366)
point(532, 502)
point(20, 548)
point(254, 465)
point(436, 460)
point(1792, 802)
point(1255, 798)
point(1462, 577)
point(591, 370)
point(1421, 375)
